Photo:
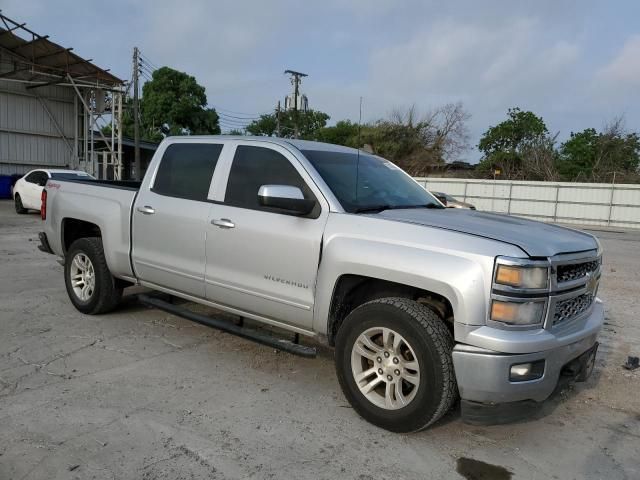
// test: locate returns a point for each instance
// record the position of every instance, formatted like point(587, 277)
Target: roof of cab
point(285, 142)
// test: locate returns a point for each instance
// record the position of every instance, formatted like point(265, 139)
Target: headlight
point(522, 276)
point(517, 313)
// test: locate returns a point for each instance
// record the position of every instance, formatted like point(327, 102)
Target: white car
point(28, 189)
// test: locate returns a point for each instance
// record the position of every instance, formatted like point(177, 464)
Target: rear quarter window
point(34, 177)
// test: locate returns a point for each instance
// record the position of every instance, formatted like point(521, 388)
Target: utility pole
point(136, 115)
point(296, 79)
point(278, 119)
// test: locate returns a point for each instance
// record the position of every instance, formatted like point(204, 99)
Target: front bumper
point(483, 374)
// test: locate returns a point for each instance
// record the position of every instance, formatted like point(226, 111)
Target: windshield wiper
point(381, 208)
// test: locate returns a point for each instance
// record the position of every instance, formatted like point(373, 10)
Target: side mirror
point(442, 198)
point(285, 197)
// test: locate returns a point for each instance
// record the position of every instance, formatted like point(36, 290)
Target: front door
point(170, 218)
point(260, 260)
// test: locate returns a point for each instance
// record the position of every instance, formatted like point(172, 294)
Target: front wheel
point(90, 286)
point(393, 360)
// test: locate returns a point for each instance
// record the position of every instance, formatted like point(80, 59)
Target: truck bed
point(122, 184)
point(106, 204)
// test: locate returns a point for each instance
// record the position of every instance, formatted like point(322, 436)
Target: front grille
point(575, 271)
point(572, 307)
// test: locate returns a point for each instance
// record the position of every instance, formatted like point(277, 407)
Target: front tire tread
point(429, 332)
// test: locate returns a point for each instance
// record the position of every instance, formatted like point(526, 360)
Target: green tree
point(342, 133)
point(265, 126)
point(595, 156)
point(309, 123)
point(174, 100)
point(504, 145)
point(577, 155)
point(417, 143)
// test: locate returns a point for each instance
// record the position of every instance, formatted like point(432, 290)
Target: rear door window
point(35, 177)
point(186, 170)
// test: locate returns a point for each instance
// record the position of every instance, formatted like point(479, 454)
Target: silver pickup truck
point(423, 304)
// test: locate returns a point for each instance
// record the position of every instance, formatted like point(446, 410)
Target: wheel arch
point(72, 229)
point(457, 279)
point(352, 290)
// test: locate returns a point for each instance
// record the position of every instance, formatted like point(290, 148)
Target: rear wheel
point(393, 360)
point(18, 203)
point(90, 285)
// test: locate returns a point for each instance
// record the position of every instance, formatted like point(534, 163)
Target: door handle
point(223, 223)
point(147, 210)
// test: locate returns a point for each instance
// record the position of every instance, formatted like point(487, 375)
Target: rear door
point(258, 260)
point(170, 218)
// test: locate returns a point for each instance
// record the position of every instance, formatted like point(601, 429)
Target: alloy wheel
point(385, 368)
point(83, 278)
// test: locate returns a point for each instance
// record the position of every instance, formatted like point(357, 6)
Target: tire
point(106, 291)
point(19, 207)
point(423, 338)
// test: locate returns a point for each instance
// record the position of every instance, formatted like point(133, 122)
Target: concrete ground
point(141, 394)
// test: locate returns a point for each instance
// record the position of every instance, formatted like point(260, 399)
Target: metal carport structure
point(53, 104)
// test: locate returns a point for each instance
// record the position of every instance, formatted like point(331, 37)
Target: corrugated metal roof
point(37, 59)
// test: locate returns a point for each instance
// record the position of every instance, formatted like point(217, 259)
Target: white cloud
point(624, 70)
point(546, 56)
point(489, 67)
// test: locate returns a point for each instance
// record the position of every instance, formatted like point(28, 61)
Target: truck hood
point(537, 239)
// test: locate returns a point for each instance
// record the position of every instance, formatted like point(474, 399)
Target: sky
point(574, 63)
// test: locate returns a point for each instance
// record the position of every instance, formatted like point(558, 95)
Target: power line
point(251, 115)
point(149, 64)
point(144, 58)
point(234, 120)
point(145, 75)
point(236, 127)
point(145, 67)
point(231, 127)
point(146, 70)
point(226, 122)
point(238, 118)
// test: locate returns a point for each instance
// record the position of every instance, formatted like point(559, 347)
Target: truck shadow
point(566, 390)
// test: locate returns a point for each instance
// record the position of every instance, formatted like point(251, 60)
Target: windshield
point(380, 184)
point(71, 176)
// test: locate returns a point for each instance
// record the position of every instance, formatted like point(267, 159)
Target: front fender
point(454, 265)
point(459, 280)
